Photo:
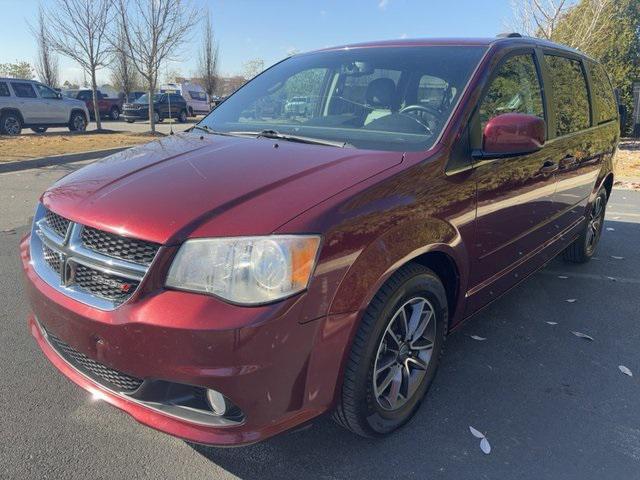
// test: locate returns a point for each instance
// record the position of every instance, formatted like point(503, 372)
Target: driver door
point(514, 195)
point(54, 109)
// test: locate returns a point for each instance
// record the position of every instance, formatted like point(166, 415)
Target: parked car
point(195, 96)
point(133, 96)
point(297, 106)
point(108, 107)
point(232, 282)
point(165, 105)
point(30, 104)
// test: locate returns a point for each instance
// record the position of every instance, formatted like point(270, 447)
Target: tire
point(157, 118)
point(77, 122)
point(191, 112)
point(10, 124)
point(114, 113)
point(363, 407)
point(39, 129)
point(584, 247)
point(182, 116)
point(130, 121)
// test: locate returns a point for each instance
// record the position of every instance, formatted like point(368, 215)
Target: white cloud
point(382, 4)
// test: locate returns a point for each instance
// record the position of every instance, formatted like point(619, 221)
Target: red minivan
point(229, 283)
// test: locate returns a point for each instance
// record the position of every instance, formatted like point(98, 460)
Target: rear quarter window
point(603, 97)
point(570, 95)
point(4, 90)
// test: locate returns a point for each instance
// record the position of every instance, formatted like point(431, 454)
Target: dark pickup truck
point(108, 107)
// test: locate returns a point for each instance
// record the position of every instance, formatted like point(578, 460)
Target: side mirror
point(511, 135)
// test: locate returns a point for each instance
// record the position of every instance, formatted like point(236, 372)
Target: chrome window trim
point(72, 251)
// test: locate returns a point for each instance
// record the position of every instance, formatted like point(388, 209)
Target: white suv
point(26, 103)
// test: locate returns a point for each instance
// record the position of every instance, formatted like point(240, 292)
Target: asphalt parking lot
point(136, 127)
point(552, 405)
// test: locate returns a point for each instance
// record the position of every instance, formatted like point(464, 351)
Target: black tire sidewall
point(590, 253)
point(379, 421)
point(4, 118)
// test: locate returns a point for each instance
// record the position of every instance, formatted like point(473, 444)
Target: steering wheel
point(421, 114)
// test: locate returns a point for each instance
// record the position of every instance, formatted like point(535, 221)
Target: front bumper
point(135, 114)
point(279, 372)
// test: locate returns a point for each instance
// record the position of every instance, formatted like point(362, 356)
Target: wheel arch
point(12, 110)
point(78, 110)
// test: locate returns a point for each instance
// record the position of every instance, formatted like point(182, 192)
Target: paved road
point(121, 125)
point(552, 405)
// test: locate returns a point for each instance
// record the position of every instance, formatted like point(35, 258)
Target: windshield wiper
point(205, 128)
point(293, 138)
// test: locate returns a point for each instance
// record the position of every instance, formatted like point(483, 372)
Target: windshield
point(388, 98)
point(157, 97)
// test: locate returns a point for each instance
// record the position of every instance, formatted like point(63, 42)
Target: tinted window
point(603, 97)
point(197, 95)
point(515, 88)
point(23, 90)
point(366, 97)
point(176, 98)
point(4, 89)
point(45, 92)
point(570, 94)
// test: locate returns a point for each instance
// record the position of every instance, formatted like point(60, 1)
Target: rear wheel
point(130, 121)
point(157, 118)
point(584, 247)
point(182, 117)
point(10, 124)
point(39, 129)
point(395, 354)
point(77, 122)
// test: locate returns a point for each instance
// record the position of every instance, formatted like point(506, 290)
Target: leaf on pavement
point(613, 279)
point(617, 258)
point(611, 229)
point(476, 337)
point(570, 300)
point(563, 277)
point(552, 323)
point(484, 446)
point(476, 433)
point(583, 335)
point(625, 370)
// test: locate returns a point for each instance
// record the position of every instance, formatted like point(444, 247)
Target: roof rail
point(509, 35)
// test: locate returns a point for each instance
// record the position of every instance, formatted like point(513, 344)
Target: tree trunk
point(96, 110)
point(152, 122)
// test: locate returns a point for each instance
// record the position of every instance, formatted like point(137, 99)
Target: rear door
point(579, 140)
point(514, 196)
point(28, 102)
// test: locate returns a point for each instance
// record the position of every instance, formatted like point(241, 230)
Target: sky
point(270, 29)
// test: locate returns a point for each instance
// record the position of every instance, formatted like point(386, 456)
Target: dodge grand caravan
point(238, 280)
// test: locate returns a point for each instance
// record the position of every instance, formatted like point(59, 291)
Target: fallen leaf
point(484, 446)
point(570, 300)
point(10, 231)
point(611, 229)
point(476, 337)
point(583, 335)
point(625, 370)
point(476, 433)
point(612, 279)
point(617, 258)
point(563, 277)
point(552, 323)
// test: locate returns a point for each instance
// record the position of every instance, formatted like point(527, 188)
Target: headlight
point(245, 270)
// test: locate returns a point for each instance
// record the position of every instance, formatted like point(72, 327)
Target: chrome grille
point(137, 251)
point(97, 268)
point(113, 379)
point(58, 224)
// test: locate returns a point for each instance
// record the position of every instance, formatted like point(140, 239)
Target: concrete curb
point(57, 159)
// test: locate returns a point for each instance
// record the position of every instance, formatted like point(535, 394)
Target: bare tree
point(576, 25)
point(154, 32)
point(77, 29)
point(209, 53)
point(251, 68)
point(47, 66)
point(124, 75)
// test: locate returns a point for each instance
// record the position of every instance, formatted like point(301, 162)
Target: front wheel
point(584, 247)
point(10, 124)
point(182, 117)
point(157, 118)
point(395, 353)
point(114, 113)
point(77, 122)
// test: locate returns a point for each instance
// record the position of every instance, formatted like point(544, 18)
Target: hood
point(75, 102)
point(210, 185)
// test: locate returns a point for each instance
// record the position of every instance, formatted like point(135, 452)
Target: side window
point(45, 92)
point(603, 96)
point(175, 98)
point(4, 90)
point(23, 90)
point(570, 93)
point(515, 88)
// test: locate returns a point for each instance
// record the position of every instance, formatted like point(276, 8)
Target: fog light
point(217, 403)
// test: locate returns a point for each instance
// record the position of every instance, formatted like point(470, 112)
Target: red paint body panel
point(494, 221)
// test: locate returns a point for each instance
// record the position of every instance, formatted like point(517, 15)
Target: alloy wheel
point(404, 353)
point(12, 125)
point(79, 123)
point(596, 221)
